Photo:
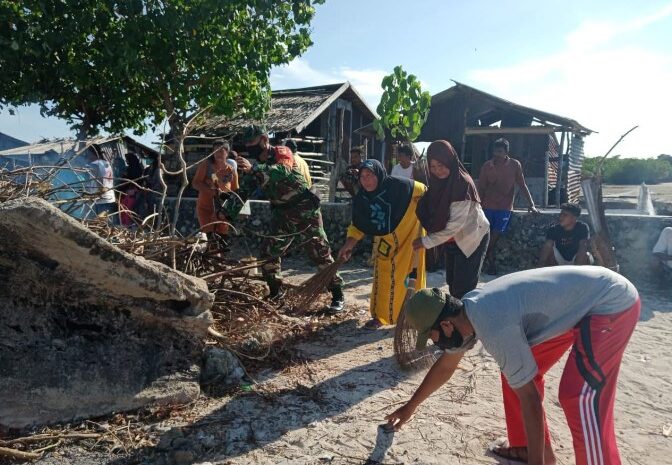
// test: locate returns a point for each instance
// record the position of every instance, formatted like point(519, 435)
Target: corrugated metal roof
point(61, 146)
point(58, 146)
point(8, 142)
point(539, 114)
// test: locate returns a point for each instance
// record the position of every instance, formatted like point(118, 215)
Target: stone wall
point(336, 217)
point(633, 235)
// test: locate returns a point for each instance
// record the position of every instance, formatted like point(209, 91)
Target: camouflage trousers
point(298, 227)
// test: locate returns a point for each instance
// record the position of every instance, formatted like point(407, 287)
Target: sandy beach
point(328, 408)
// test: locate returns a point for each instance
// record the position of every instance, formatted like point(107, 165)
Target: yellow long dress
point(394, 261)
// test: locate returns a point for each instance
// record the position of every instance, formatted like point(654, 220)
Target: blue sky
point(607, 64)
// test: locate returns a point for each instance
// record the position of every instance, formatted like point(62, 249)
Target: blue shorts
point(498, 219)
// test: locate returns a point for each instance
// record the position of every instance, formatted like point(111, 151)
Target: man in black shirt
point(566, 242)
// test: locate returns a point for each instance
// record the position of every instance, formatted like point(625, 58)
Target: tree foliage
point(403, 107)
point(618, 170)
point(111, 64)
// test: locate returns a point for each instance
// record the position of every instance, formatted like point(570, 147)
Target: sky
point(606, 64)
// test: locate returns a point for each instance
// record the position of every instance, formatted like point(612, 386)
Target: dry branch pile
point(259, 331)
point(246, 322)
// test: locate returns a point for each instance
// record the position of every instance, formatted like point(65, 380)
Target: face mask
point(455, 342)
point(255, 151)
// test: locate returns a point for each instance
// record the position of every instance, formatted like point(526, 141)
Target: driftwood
point(18, 454)
point(601, 244)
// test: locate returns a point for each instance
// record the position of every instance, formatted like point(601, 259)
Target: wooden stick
point(49, 437)
point(233, 270)
point(18, 454)
point(601, 162)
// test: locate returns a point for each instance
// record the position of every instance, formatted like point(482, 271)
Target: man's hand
point(399, 417)
point(417, 244)
point(533, 209)
point(243, 164)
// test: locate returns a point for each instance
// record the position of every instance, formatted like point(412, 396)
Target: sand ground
point(328, 409)
point(660, 192)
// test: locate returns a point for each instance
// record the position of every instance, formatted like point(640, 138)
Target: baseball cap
point(422, 310)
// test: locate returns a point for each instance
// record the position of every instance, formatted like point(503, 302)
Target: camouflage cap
point(253, 131)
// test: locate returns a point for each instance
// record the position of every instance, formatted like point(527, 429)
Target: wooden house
point(550, 147)
point(322, 120)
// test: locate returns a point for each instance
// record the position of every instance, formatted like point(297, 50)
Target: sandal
point(373, 323)
point(515, 454)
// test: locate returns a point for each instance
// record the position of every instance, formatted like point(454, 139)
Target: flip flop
point(509, 453)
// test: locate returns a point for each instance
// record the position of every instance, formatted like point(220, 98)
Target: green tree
point(618, 170)
point(112, 64)
point(403, 107)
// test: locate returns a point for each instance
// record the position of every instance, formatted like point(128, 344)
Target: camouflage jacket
point(279, 184)
point(350, 180)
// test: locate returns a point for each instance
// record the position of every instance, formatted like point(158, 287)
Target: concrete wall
point(633, 235)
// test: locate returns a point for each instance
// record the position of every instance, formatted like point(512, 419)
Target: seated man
point(566, 242)
point(662, 254)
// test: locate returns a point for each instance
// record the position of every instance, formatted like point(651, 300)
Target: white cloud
point(299, 73)
point(607, 87)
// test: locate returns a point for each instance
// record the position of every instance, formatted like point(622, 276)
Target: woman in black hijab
point(384, 207)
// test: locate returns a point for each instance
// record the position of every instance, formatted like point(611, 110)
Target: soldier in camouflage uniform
point(295, 210)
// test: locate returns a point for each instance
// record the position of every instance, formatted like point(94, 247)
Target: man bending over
point(594, 312)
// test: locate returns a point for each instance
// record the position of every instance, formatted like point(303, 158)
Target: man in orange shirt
point(496, 185)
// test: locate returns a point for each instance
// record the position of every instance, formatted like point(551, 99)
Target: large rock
point(86, 329)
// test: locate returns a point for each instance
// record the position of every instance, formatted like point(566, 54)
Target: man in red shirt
point(496, 185)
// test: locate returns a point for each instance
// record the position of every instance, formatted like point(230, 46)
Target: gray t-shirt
point(517, 311)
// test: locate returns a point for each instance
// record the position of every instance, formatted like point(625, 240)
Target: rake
point(405, 336)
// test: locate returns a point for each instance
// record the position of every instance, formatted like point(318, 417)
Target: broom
point(405, 336)
point(308, 292)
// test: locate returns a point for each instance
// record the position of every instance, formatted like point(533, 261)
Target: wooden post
point(558, 183)
point(335, 173)
point(464, 136)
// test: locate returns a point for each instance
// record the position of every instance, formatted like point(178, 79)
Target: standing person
point(295, 211)
point(385, 208)
point(299, 163)
point(101, 184)
point(404, 169)
point(451, 213)
point(350, 179)
point(152, 175)
point(496, 185)
point(566, 242)
point(593, 309)
point(215, 175)
point(131, 198)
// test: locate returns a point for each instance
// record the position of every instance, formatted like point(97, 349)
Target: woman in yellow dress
point(384, 207)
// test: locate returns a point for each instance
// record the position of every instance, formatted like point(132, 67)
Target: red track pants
point(587, 387)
